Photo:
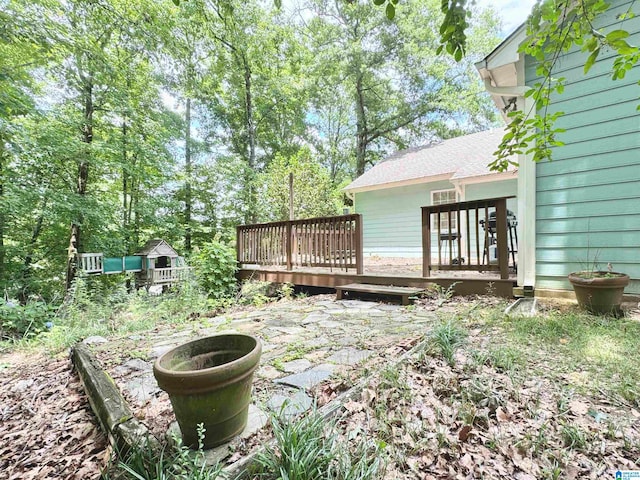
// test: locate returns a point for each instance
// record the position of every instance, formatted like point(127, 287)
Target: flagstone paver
point(304, 342)
point(308, 378)
point(349, 356)
point(290, 405)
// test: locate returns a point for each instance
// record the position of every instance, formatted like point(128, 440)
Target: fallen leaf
point(467, 462)
point(464, 432)
point(578, 408)
point(502, 416)
point(352, 406)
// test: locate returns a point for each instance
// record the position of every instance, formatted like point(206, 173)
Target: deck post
point(426, 243)
point(289, 246)
point(359, 245)
point(501, 237)
point(238, 246)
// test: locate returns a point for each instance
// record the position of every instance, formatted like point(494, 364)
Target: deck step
point(403, 292)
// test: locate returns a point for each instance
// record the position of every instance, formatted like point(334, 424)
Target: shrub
point(215, 267)
point(24, 321)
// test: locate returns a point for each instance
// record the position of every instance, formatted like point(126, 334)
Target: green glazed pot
point(599, 292)
point(209, 382)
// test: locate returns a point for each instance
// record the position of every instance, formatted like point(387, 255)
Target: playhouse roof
point(455, 159)
point(157, 248)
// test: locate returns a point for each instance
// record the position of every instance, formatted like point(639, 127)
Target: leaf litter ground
point(498, 409)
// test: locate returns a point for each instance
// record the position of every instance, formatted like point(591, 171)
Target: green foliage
point(25, 321)
point(446, 338)
point(311, 449)
point(453, 36)
point(257, 293)
point(148, 462)
point(554, 28)
point(314, 193)
point(215, 266)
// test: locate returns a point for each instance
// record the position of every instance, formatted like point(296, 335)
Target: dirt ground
point(475, 418)
point(46, 424)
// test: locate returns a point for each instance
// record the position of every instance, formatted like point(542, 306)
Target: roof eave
point(500, 67)
point(399, 183)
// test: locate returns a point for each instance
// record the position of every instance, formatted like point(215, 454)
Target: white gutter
point(515, 91)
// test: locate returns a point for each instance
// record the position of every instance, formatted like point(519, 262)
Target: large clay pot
point(599, 292)
point(209, 382)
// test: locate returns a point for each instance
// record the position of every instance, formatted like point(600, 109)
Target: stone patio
point(305, 341)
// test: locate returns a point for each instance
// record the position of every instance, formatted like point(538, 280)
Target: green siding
point(392, 217)
point(588, 198)
point(502, 188)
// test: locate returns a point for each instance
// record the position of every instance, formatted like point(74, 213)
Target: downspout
point(526, 189)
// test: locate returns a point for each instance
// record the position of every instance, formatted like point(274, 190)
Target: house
point(584, 206)
point(390, 195)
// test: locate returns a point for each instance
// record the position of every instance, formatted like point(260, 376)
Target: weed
point(442, 437)
point(467, 413)
point(553, 472)
point(537, 441)
point(573, 437)
point(505, 359)
point(147, 462)
point(138, 354)
point(481, 392)
point(286, 291)
point(440, 294)
point(310, 449)
point(447, 337)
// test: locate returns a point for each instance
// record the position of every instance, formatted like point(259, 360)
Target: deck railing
point(90, 262)
point(169, 275)
point(469, 236)
point(334, 242)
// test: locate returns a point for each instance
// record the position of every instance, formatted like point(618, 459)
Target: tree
point(554, 27)
point(399, 90)
point(314, 193)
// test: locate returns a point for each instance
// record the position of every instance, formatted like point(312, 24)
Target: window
point(441, 197)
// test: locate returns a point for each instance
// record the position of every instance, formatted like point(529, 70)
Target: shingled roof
point(457, 158)
point(157, 247)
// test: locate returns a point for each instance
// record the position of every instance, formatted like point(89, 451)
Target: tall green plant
point(215, 267)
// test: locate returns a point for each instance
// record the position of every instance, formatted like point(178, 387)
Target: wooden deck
point(475, 248)
point(467, 284)
point(405, 293)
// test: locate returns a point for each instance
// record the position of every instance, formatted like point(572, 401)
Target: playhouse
point(157, 263)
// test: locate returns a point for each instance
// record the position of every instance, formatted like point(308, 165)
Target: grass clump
point(310, 449)
point(446, 338)
point(150, 462)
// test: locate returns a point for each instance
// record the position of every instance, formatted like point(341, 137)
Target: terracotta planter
point(209, 382)
point(599, 292)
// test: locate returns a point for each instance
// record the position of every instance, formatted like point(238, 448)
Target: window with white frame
point(441, 197)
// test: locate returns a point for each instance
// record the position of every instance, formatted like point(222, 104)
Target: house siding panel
point(392, 219)
point(588, 197)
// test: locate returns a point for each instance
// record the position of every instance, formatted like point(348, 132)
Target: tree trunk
point(28, 258)
point(75, 244)
point(361, 128)
point(251, 141)
point(2, 210)
point(187, 186)
point(126, 197)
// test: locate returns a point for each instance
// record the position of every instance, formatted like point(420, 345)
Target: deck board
point(467, 285)
point(403, 292)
